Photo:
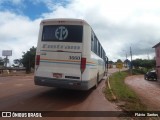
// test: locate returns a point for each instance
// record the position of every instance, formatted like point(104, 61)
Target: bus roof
point(61, 20)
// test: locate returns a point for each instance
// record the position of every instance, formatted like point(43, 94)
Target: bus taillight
point(37, 59)
point(83, 64)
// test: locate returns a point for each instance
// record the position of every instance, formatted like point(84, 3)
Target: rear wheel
point(96, 84)
point(145, 77)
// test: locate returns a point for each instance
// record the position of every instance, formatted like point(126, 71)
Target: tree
point(144, 63)
point(4, 61)
point(137, 63)
point(119, 60)
point(28, 59)
point(1, 62)
point(148, 64)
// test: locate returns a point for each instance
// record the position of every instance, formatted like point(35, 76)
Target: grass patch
point(124, 94)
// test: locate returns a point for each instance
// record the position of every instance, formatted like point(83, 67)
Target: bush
point(138, 71)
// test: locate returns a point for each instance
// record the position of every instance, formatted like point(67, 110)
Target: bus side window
point(101, 52)
point(103, 55)
point(92, 42)
point(95, 45)
point(98, 48)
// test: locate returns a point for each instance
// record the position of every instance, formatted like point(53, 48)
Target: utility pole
point(131, 60)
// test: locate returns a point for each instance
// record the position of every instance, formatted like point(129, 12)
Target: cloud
point(118, 24)
point(17, 33)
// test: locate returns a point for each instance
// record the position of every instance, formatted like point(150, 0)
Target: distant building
point(110, 64)
point(126, 63)
point(157, 51)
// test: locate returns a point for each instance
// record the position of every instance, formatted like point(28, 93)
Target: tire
point(149, 78)
point(145, 78)
point(96, 85)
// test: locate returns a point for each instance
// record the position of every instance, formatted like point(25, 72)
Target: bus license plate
point(57, 75)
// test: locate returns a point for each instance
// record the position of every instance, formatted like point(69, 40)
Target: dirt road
point(148, 91)
point(19, 93)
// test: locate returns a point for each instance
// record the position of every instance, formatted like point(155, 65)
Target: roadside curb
point(113, 96)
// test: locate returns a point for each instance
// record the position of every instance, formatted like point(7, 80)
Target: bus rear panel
point(63, 56)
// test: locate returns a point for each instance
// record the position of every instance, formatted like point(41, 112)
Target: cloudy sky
point(118, 24)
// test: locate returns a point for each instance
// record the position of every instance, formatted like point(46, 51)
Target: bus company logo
point(61, 33)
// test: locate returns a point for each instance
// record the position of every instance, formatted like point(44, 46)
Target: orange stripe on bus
point(64, 60)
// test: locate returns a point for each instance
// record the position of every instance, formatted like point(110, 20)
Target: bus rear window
point(62, 33)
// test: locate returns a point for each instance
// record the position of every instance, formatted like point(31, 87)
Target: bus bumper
point(64, 83)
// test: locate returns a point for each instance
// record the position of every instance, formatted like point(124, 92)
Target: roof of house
point(156, 45)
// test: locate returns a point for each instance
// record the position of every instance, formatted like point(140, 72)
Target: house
point(126, 63)
point(157, 51)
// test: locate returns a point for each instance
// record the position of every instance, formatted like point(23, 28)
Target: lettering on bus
point(74, 57)
point(61, 46)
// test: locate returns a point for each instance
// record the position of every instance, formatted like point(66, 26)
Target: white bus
point(68, 55)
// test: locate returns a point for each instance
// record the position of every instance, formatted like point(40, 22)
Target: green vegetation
point(28, 59)
point(119, 60)
point(143, 66)
point(148, 64)
point(126, 98)
point(138, 71)
point(1, 62)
